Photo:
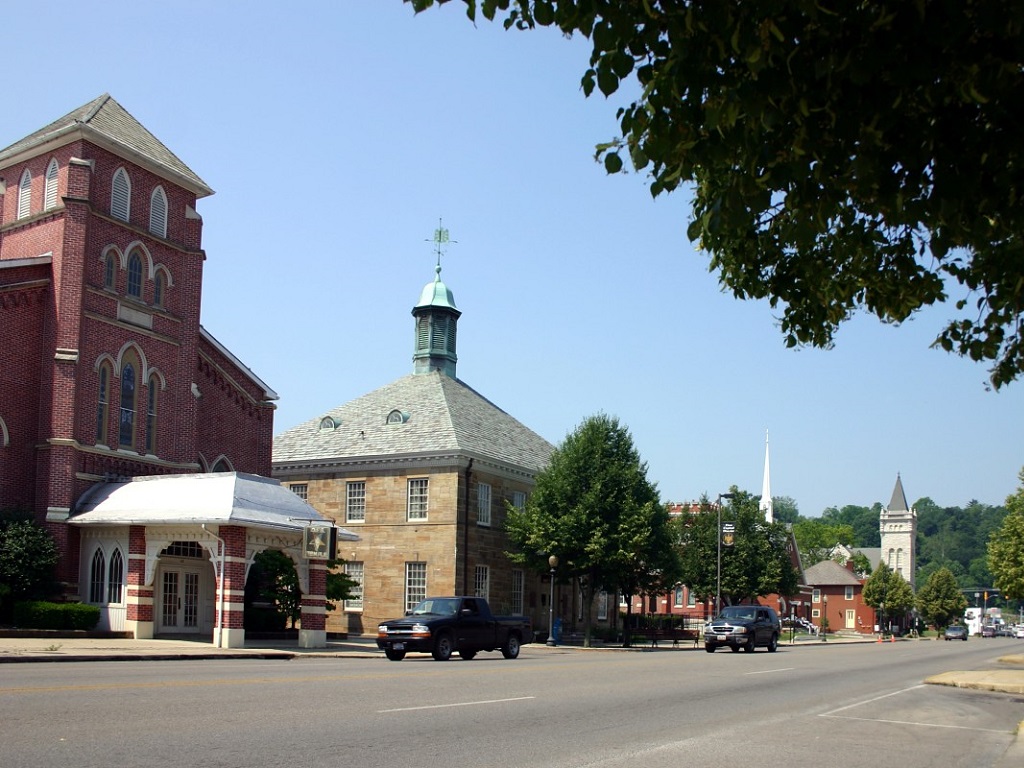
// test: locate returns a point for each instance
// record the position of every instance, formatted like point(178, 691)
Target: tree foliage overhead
point(847, 155)
point(594, 508)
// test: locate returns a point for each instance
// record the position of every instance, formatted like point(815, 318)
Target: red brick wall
point(49, 405)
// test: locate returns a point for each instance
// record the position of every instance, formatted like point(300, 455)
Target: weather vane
point(440, 240)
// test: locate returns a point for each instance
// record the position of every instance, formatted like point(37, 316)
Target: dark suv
point(743, 626)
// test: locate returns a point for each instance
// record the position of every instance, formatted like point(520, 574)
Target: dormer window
point(397, 417)
point(329, 424)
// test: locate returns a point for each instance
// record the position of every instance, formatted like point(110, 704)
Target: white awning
point(218, 498)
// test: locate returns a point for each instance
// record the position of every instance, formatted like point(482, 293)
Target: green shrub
point(43, 615)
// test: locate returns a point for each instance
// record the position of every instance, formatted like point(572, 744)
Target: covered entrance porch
point(190, 541)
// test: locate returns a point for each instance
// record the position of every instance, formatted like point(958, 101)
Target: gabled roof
point(219, 498)
point(829, 573)
point(106, 123)
point(431, 414)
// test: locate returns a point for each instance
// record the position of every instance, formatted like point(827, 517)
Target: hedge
point(43, 615)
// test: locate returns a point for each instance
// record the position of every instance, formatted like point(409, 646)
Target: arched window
point(159, 283)
point(103, 404)
point(154, 389)
point(121, 195)
point(135, 275)
point(110, 271)
point(50, 195)
point(115, 582)
point(126, 432)
point(97, 572)
point(158, 212)
point(25, 194)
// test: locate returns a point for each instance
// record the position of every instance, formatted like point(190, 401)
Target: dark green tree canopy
point(1006, 547)
point(940, 600)
point(858, 155)
point(594, 508)
point(756, 564)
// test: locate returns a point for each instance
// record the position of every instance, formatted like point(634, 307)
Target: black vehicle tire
point(394, 655)
point(773, 646)
point(443, 648)
point(709, 648)
point(734, 648)
point(510, 649)
point(468, 655)
point(748, 647)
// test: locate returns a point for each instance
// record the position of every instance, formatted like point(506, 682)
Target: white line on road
point(457, 704)
point(769, 671)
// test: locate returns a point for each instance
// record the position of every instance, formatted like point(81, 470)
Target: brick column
point(314, 608)
point(229, 629)
point(139, 608)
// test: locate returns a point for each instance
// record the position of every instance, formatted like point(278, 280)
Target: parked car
point(956, 632)
point(1019, 632)
point(743, 626)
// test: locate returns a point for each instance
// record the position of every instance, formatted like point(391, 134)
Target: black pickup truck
point(442, 626)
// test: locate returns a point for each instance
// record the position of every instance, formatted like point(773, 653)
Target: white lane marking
point(770, 671)
point(457, 704)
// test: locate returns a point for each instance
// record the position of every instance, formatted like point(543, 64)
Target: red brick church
point(108, 379)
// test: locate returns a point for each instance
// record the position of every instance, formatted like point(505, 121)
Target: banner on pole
point(728, 534)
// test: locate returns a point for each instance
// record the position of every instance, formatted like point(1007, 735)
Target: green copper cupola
point(437, 320)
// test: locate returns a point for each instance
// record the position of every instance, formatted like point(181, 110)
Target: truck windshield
point(445, 606)
point(738, 612)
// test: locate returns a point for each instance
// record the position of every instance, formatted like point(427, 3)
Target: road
point(849, 705)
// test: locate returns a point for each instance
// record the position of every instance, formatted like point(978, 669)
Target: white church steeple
point(766, 487)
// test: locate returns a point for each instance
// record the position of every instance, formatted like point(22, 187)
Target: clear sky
point(337, 133)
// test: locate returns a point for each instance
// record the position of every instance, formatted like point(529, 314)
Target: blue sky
point(336, 135)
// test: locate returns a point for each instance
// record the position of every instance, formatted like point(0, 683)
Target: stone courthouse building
point(111, 391)
point(422, 470)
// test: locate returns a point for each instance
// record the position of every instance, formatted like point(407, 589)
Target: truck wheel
point(749, 647)
point(511, 647)
point(709, 648)
point(394, 655)
point(468, 655)
point(443, 648)
point(774, 644)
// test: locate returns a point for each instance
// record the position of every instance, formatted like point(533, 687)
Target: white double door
point(181, 600)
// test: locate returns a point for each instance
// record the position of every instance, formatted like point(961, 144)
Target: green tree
point(28, 560)
point(845, 157)
point(888, 593)
point(817, 537)
point(594, 508)
point(785, 510)
point(1006, 547)
point(756, 564)
point(647, 561)
point(276, 582)
point(940, 600)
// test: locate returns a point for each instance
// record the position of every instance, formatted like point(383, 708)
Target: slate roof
point(105, 122)
point(829, 573)
point(439, 415)
point(222, 498)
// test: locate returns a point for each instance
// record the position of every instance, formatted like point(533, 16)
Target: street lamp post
point(553, 564)
point(718, 587)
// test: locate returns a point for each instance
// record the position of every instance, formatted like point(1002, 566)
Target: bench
point(678, 636)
